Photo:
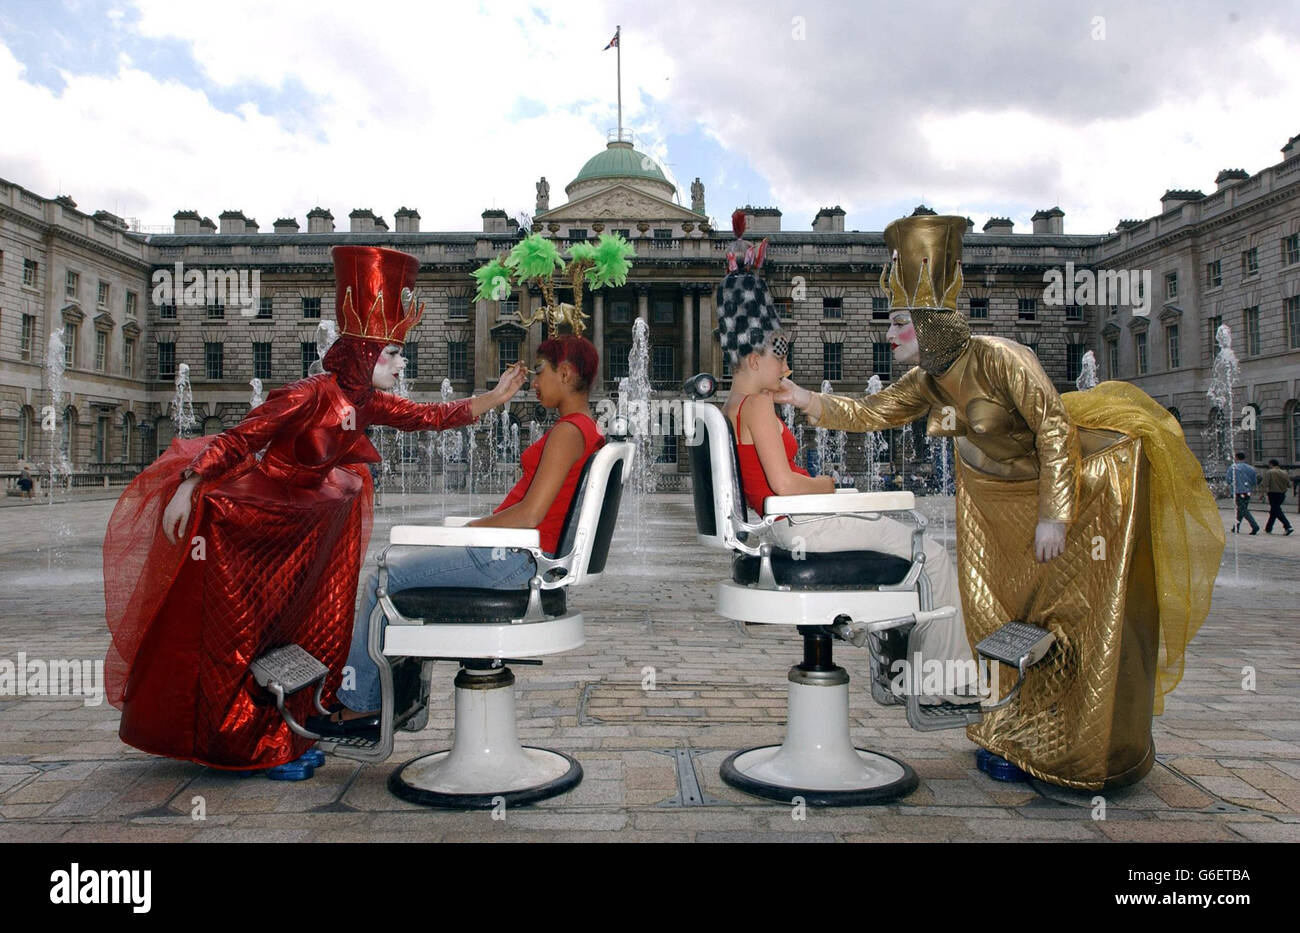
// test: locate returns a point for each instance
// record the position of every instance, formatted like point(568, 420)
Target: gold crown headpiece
point(925, 261)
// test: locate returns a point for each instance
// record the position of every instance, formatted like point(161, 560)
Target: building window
point(1172, 354)
point(624, 232)
point(1213, 274)
point(1112, 359)
point(663, 311)
point(72, 284)
point(131, 301)
point(167, 360)
point(307, 356)
point(726, 367)
point(1291, 249)
point(264, 309)
point(411, 350)
point(69, 346)
point(1257, 435)
point(457, 309)
point(1295, 433)
point(24, 432)
point(262, 360)
point(457, 360)
point(1171, 285)
point(214, 356)
point(128, 357)
point(663, 233)
point(508, 307)
point(28, 339)
point(507, 353)
point(833, 361)
point(833, 308)
point(616, 361)
point(1215, 323)
point(1250, 262)
point(979, 308)
point(1073, 313)
point(1292, 308)
point(1251, 320)
point(101, 439)
point(127, 423)
point(311, 308)
point(882, 359)
point(663, 365)
point(1028, 309)
point(668, 449)
point(577, 234)
point(101, 299)
point(1033, 348)
point(29, 273)
point(1074, 360)
point(1140, 346)
point(167, 312)
point(101, 350)
point(216, 311)
point(879, 308)
point(620, 312)
point(784, 309)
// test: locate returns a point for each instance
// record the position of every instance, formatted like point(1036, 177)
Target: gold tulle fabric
point(1186, 530)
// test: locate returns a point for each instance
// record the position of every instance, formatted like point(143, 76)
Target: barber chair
point(483, 630)
point(863, 597)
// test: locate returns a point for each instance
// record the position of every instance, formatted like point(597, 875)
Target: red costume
point(274, 546)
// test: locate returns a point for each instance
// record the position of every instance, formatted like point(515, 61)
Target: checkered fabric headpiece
point(747, 318)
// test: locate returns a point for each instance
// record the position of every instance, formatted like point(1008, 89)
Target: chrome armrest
point(442, 536)
point(839, 503)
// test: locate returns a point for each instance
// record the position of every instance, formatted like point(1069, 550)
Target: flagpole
point(618, 49)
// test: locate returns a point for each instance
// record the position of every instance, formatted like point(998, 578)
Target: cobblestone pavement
point(1228, 757)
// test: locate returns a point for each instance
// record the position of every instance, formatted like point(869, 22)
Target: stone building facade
point(100, 281)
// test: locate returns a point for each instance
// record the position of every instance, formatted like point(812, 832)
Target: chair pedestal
point(818, 760)
point(486, 765)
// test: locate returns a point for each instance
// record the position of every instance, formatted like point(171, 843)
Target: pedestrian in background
point(1275, 483)
point(1242, 480)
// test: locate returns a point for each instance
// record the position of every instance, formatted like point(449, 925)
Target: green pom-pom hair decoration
point(494, 282)
point(534, 257)
point(610, 258)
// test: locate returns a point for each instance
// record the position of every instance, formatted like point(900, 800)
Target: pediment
point(1110, 330)
point(618, 203)
point(1171, 314)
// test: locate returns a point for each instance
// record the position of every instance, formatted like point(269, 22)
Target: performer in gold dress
point(1083, 513)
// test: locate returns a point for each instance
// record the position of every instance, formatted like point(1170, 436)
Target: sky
point(980, 108)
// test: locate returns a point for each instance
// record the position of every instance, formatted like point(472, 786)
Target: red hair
point(578, 352)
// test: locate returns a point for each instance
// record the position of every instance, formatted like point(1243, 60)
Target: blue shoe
point(998, 768)
point(314, 757)
point(297, 770)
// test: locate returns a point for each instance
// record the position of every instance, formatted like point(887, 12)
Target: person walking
point(1242, 480)
point(1275, 483)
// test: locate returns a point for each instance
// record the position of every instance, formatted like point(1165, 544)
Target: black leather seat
point(463, 605)
point(840, 570)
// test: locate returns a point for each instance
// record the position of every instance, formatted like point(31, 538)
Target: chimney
point(1050, 221)
point(1127, 225)
point(185, 222)
point(285, 225)
point(759, 220)
point(361, 220)
point(970, 225)
point(233, 222)
point(829, 220)
point(111, 220)
point(319, 220)
point(998, 226)
point(922, 211)
point(1291, 149)
point(494, 221)
point(1229, 177)
point(206, 225)
point(380, 223)
point(252, 226)
point(1176, 197)
point(407, 220)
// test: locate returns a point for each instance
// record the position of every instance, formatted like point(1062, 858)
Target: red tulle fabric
point(271, 557)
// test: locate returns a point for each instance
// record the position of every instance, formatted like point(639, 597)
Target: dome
point(621, 161)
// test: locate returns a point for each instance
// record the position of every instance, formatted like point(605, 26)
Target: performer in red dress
point(282, 506)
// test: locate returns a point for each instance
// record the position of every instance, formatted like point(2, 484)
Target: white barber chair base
point(818, 761)
point(486, 766)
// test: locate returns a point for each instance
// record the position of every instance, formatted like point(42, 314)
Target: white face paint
point(388, 367)
point(902, 337)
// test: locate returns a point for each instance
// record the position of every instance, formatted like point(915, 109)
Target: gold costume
point(1142, 546)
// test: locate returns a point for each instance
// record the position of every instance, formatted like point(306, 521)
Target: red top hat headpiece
point(376, 293)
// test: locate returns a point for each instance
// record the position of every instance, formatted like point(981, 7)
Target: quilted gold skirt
point(1083, 716)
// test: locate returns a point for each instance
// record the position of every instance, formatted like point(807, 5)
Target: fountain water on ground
point(1220, 433)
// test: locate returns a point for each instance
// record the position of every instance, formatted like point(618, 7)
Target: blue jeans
point(412, 568)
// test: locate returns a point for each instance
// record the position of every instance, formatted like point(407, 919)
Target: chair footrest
point(290, 666)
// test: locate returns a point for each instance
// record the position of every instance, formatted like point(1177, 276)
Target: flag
point(612, 43)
